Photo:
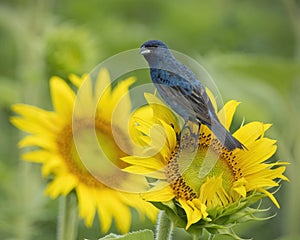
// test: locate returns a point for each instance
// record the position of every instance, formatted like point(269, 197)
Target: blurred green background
point(250, 48)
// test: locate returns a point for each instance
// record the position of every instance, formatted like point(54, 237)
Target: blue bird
point(183, 92)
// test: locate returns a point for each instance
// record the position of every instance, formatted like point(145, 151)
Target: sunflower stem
point(211, 236)
point(164, 227)
point(67, 218)
point(195, 237)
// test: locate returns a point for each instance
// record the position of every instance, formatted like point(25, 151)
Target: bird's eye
point(155, 46)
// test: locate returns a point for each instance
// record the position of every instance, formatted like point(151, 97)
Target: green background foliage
point(250, 48)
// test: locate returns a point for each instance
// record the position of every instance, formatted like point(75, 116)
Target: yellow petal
point(226, 114)
point(258, 151)
point(105, 215)
point(152, 99)
point(251, 131)
point(56, 188)
point(193, 214)
point(135, 134)
point(212, 99)
point(162, 112)
point(38, 140)
point(273, 199)
point(119, 92)
point(62, 97)
point(259, 182)
point(85, 104)
point(171, 136)
point(121, 214)
point(143, 208)
point(54, 165)
point(38, 116)
point(103, 85)
point(77, 80)
point(160, 193)
point(86, 203)
point(31, 127)
point(239, 187)
point(145, 171)
point(212, 192)
point(152, 163)
point(38, 156)
point(199, 205)
point(122, 103)
point(268, 174)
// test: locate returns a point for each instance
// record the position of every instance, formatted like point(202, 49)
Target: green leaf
point(229, 232)
point(139, 235)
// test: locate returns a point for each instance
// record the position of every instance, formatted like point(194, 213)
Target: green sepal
point(172, 211)
point(220, 220)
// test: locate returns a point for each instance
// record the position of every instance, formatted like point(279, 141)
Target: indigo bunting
point(183, 92)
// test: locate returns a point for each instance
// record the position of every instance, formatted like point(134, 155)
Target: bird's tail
point(232, 143)
point(225, 137)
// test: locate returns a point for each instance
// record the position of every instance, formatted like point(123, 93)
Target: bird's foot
point(189, 139)
point(195, 138)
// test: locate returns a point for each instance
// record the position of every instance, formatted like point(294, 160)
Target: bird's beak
point(144, 51)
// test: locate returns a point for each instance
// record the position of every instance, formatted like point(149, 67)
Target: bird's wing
point(189, 95)
point(200, 104)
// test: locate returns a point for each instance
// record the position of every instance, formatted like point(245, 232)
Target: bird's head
point(154, 51)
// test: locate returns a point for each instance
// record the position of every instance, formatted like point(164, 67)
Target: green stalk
point(164, 227)
point(211, 236)
point(67, 225)
point(195, 237)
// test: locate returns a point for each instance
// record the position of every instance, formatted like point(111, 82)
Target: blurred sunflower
point(52, 132)
point(70, 49)
point(210, 188)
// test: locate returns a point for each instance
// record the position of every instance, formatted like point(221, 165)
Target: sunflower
point(80, 115)
point(207, 187)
